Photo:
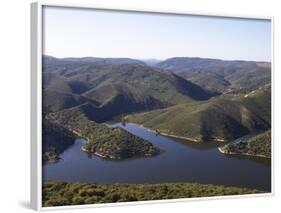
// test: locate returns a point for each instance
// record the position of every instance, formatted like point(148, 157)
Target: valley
point(164, 97)
point(179, 113)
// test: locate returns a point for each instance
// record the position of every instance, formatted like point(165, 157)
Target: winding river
point(181, 161)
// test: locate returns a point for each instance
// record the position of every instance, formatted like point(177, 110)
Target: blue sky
point(72, 32)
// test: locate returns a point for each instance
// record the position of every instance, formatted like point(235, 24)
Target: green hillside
point(56, 101)
point(63, 193)
point(109, 89)
point(110, 143)
point(211, 82)
point(259, 145)
point(142, 81)
point(220, 75)
point(221, 118)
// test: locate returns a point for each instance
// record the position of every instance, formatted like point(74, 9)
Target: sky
point(70, 32)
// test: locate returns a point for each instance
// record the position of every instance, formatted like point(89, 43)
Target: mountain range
point(104, 90)
point(190, 97)
point(220, 75)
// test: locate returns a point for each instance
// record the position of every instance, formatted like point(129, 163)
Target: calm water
point(179, 162)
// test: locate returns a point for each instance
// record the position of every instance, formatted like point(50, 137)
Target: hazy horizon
point(77, 33)
point(146, 59)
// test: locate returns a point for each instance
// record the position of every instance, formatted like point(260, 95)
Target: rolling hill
point(220, 75)
point(221, 118)
point(105, 90)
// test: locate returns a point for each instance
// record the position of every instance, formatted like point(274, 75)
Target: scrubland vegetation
point(259, 146)
point(111, 143)
point(220, 118)
point(63, 193)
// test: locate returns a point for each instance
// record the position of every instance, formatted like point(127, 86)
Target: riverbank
point(258, 145)
point(240, 153)
point(188, 139)
point(51, 157)
point(87, 141)
point(168, 135)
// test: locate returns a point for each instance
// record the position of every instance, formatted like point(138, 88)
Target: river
point(180, 161)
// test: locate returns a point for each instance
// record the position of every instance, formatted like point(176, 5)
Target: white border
point(36, 106)
point(36, 100)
